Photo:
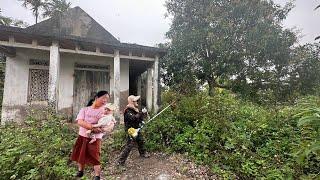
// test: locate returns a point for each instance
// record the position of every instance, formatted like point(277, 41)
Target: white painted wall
point(17, 77)
point(16, 83)
point(67, 75)
point(66, 81)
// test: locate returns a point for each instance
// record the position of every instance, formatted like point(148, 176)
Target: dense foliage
point(36, 150)
point(238, 45)
point(40, 149)
point(238, 138)
point(235, 138)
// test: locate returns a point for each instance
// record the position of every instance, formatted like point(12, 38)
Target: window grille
point(38, 85)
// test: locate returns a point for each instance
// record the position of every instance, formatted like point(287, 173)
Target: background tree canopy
point(8, 21)
point(238, 45)
point(48, 8)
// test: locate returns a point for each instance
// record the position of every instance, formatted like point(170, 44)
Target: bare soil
point(158, 166)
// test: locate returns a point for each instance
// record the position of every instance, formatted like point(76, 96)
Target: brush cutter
point(133, 133)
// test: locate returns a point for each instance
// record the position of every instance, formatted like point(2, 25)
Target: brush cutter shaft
point(134, 132)
point(159, 113)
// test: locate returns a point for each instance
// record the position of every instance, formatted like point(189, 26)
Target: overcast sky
point(143, 21)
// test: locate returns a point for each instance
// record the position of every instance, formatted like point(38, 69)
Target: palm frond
point(54, 7)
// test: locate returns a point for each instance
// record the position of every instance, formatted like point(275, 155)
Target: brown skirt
point(85, 153)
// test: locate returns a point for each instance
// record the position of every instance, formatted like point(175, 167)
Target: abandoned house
point(60, 62)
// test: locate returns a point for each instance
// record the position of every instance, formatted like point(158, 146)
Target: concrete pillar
point(11, 40)
point(149, 89)
point(139, 80)
point(124, 83)
point(54, 69)
point(155, 83)
point(116, 82)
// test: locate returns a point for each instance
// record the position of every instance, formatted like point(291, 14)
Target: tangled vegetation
point(234, 137)
point(239, 139)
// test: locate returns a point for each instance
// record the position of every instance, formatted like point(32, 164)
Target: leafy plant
point(238, 139)
point(36, 150)
point(309, 122)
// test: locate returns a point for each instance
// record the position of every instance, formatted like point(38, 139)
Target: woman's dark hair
point(97, 95)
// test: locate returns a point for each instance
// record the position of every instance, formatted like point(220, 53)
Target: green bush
point(238, 138)
point(36, 150)
point(309, 144)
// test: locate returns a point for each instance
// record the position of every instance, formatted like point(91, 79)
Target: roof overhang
point(74, 44)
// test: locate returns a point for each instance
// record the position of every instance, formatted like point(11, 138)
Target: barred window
point(38, 85)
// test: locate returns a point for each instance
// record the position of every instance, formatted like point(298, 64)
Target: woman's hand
point(84, 124)
point(97, 130)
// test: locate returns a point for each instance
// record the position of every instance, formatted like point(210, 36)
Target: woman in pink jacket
point(85, 153)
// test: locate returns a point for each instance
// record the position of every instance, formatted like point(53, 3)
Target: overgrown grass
point(238, 138)
point(36, 150)
point(41, 149)
point(234, 137)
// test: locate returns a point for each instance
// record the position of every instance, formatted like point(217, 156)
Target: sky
point(304, 19)
point(144, 22)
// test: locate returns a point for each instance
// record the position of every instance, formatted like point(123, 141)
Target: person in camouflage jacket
point(133, 118)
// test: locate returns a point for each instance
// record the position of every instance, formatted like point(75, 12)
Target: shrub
point(36, 150)
point(236, 137)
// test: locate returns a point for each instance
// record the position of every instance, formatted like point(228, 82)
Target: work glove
point(144, 110)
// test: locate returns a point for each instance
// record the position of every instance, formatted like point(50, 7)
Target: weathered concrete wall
point(15, 95)
point(66, 81)
point(54, 74)
point(74, 22)
point(66, 88)
point(14, 105)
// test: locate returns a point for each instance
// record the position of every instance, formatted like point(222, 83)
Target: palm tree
point(8, 21)
point(5, 20)
point(54, 7)
point(48, 7)
point(35, 6)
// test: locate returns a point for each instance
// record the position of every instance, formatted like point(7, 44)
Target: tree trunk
point(211, 84)
point(37, 17)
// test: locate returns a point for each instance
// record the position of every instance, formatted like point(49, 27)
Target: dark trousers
point(129, 145)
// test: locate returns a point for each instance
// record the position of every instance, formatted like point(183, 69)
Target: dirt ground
point(159, 166)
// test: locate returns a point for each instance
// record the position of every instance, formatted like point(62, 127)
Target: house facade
point(62, 61)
